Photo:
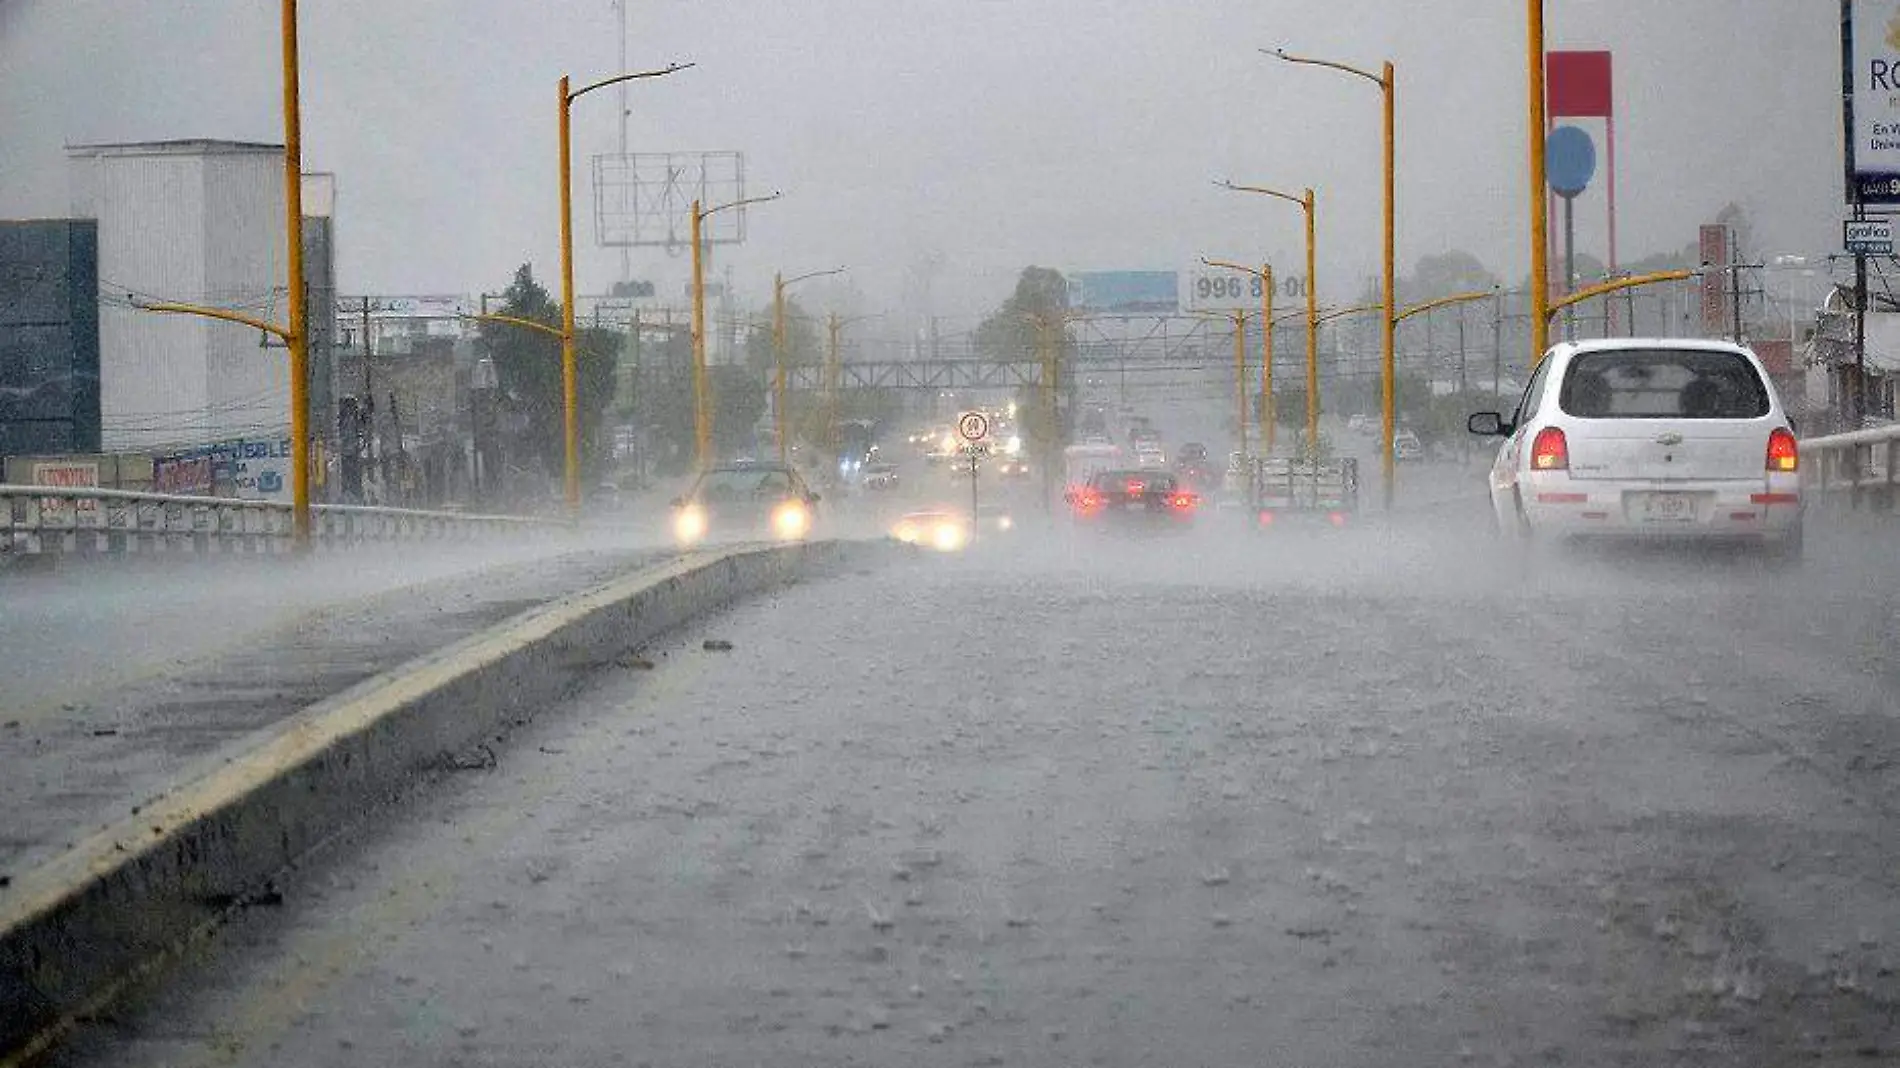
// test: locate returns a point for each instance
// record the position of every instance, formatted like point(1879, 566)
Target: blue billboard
point(1132, 292)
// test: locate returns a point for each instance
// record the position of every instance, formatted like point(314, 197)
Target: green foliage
point(739, 400)
point(528, 367)
point(1035, 314)
point(803, 347)
point(1011, 331)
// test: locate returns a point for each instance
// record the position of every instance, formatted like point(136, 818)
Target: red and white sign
point(63, 511)
point(973, 427)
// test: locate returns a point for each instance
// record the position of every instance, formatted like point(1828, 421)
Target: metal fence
point(1856, 469)
point(47, 520)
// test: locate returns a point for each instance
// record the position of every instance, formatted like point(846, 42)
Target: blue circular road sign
point(1570, 160)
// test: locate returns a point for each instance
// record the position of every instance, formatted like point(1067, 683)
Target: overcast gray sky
point(1079, 134)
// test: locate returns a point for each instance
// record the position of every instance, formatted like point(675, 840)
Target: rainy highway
point(1395, 796)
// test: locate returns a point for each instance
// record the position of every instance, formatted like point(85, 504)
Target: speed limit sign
point(973, 426)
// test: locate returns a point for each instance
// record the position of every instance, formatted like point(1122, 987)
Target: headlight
point(948, 537)
point(689, 524)
point(905, 532)
point(1014, 445)
point(1004, 522)
point(791, 521)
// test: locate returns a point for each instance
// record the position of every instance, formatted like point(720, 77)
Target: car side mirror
point(1488, 425)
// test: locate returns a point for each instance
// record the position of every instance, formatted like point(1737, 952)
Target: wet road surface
point(1390, 799)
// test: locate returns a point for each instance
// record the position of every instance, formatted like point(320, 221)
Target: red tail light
point(1337, 519)
point(1087, 501)
point(1266, 519)
point(1549, 451)
point(1184, 501)
point(1134, 488)
point(1783, 452)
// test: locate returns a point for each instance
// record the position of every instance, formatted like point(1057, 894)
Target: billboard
point(249, 469)
point(1870, 65)
point(1222, 289)
point(1129, 292)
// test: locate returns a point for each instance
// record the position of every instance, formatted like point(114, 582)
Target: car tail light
point(1135, 488)
point(1784, 454)
point(1337, 519)
point(1183, 501)
point(1266, 519)
point(1549, 451)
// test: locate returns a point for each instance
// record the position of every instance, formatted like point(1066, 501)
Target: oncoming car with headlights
point(1659, 439)
point(745, 501)
point(943, 531)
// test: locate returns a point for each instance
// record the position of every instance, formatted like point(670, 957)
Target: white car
point(1648, 438)
point(1406, 447)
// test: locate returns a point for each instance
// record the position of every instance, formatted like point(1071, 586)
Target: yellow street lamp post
point(513, 320)
point(780, 284)
point(1540, 209)
point(1306, 202)
point(834, 372)
point(294, 336)
point(570, 408)
point(1615, 286)
point(1268, 417)
point(1239, 319)
point(1051, 331)
point(702, 389)
point(1387, 82)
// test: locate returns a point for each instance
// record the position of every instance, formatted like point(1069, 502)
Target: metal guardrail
point(1859, 465)
point(68, 521)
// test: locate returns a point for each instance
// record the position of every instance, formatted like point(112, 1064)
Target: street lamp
point(1540, 211)
point(1265, 276)
point(702, 392)
point(780, 284)
point(834, 371)
point(570, 417)
point(295, 337)
point(1388, 85)
point(1306, 203)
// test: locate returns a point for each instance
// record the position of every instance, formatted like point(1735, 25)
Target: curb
point(75, 930)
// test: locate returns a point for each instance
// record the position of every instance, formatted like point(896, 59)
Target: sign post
point(1570, 162)
point(974, 429)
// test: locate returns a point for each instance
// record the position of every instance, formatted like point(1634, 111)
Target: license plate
point(1666, 508)
point(1136, 506)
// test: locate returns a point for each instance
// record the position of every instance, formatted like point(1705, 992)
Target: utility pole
point(1497, 347)
point(1859, 411)
point(833, 326)
point(370, 451)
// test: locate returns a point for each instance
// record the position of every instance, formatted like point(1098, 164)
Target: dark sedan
point(1134, 501)
point(745, 501)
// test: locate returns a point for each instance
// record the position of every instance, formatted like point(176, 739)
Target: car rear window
point(1663, 384)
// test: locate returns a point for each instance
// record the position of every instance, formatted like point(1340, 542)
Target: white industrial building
point(196, 222)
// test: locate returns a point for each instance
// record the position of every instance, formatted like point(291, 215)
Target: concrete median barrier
point(76, 929)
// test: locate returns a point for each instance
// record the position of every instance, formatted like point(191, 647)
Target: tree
point(666, 406)
point(802, 346)
point(1010, 332)
point(1453, 272)
point(528, 367)
point(1016, 330)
